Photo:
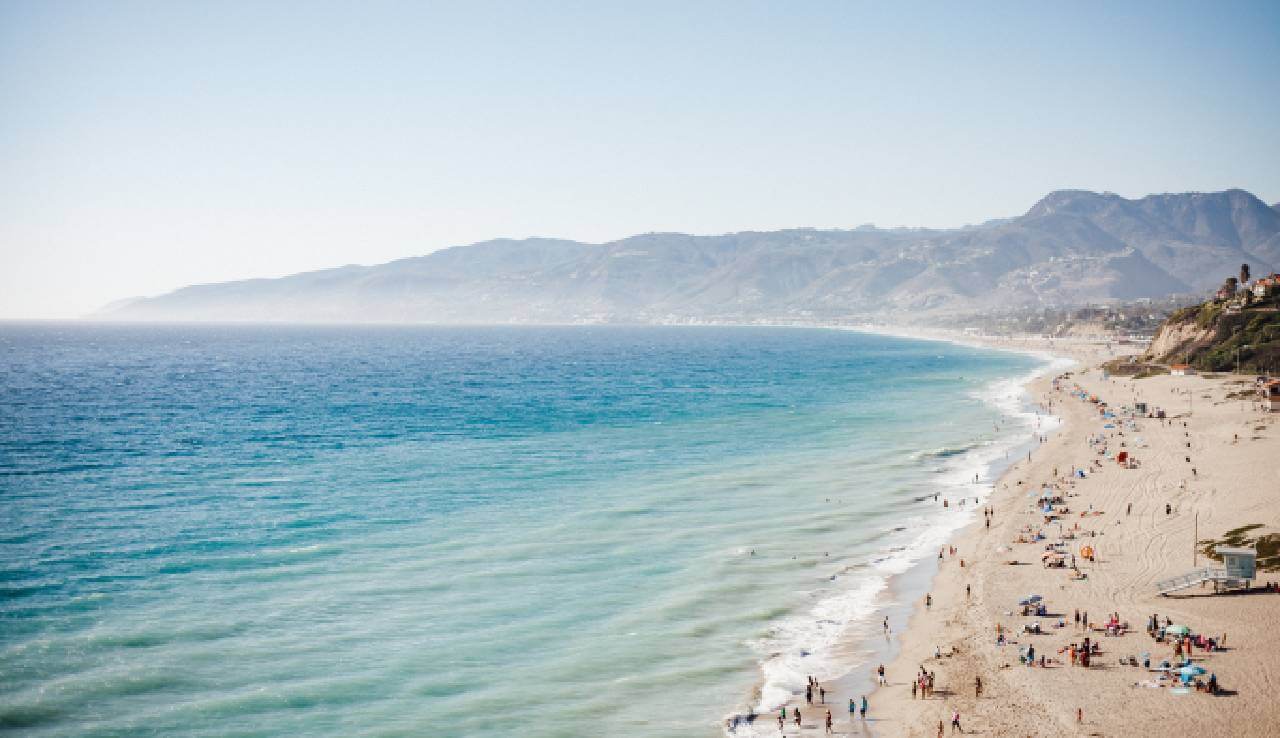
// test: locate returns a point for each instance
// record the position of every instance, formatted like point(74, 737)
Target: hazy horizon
point(148, 146)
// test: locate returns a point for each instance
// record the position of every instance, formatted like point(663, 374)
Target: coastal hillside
point(1071, 248)
point(1240, 326)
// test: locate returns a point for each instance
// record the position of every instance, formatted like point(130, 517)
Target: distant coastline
point(1072, 247)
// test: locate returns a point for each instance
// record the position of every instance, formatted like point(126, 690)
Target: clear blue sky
point(144, 146)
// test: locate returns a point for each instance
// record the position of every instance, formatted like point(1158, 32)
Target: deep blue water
point(473, 531)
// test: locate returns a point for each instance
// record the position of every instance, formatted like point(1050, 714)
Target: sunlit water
point(462, 532)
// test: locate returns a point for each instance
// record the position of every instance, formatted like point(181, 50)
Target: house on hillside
point(1181, 370)
point(1266, 286)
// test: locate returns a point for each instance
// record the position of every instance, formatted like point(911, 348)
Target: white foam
point(804, 645)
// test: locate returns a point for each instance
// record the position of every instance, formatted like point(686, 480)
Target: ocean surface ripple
point(464, 531)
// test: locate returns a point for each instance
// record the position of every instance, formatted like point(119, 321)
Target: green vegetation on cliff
point(1221, 334)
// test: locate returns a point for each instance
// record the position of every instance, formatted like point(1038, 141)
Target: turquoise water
point(463, 532)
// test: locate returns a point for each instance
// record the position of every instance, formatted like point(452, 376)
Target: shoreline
point(1021, 701)
point(916, 630)
point(896, 599)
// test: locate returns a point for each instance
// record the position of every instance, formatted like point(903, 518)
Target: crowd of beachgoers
point(1044, 618)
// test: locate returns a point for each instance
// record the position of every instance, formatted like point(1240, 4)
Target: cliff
point(1220, 335)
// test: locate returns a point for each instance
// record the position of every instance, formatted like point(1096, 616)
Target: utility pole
point(1238, 350)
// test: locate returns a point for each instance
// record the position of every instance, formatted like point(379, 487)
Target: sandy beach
point(1232, 449)
point(976, 590)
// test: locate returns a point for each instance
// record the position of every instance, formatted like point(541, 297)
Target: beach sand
point(1234, 451)
point(1234, 484)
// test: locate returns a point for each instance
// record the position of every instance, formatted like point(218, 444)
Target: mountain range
point(1072, 247)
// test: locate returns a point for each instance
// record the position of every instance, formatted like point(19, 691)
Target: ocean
point(506, 531)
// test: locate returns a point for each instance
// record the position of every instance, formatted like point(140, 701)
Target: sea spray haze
point(473, 532)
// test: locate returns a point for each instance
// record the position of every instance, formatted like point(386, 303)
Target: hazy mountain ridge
point(1071, 247)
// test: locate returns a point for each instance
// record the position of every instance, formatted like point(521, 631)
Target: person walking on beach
point(955, 721)
point(880, 674)
point(977, 687)
point(797, 717)
point(862, 711)
point(822, 695)
point(928, 601)
point(852, 708)
point(808, 693)
point(829, 730)
point(914, 686)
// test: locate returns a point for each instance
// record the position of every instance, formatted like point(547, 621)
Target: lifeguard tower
point(1240, 563)
point(1239, 566)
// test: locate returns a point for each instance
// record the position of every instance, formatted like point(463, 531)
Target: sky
point(149, 145)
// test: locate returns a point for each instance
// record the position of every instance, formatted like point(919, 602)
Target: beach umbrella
point(1108, 425)
point(1180, 630)
point(1191, 670)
